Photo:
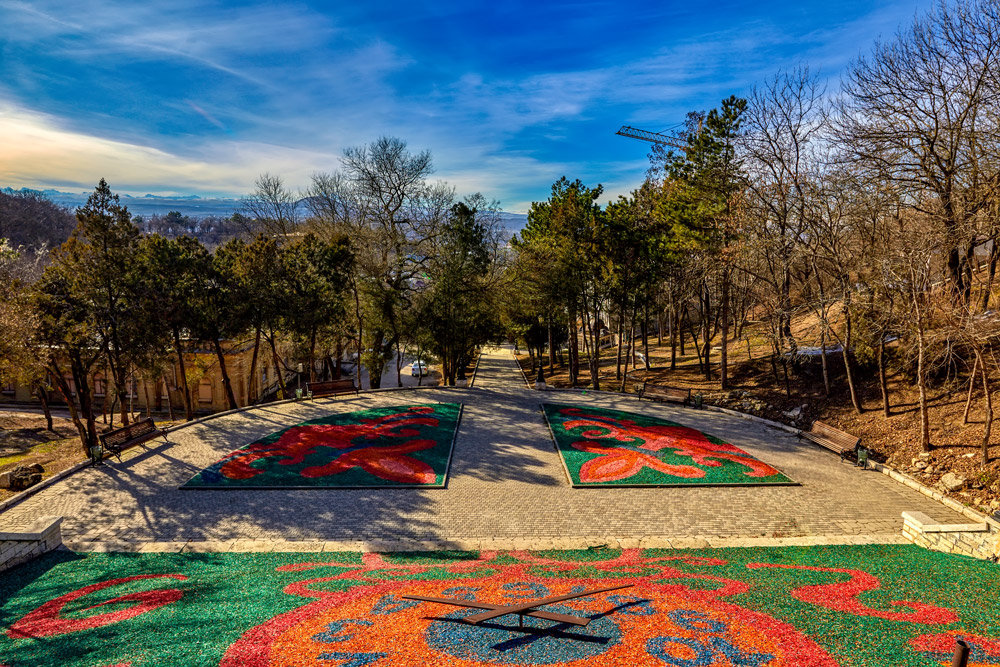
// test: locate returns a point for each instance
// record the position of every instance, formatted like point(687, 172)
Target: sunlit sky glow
point(200, 97)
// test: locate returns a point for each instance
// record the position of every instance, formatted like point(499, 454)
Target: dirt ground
point(895, 439)
point(25, 440)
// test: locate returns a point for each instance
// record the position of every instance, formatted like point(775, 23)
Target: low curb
point(476, 544)
point(48, 481)
point(951, 504)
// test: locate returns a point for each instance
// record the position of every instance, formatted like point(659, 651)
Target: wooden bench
point(331, 387)
point(832, 438)
point(672, 394)
point(122, 438)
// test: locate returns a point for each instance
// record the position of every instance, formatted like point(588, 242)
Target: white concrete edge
point(755, 418)
point(925, 524)
point(36, 531)
point(479, 544)
point(517, 363)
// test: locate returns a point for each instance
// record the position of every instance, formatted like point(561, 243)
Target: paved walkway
point(507, 488)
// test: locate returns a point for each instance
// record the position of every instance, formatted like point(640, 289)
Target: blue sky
point(198, 97)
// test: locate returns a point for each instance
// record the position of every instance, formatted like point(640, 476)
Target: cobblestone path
point(507, 488)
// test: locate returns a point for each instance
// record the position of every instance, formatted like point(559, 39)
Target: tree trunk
point(681, 317)
point(882, 382)
point(252, 392)
point(630, 355)
point(707, 323)
point(972, 386)
point(645, 333)
point(775, 351)
point(822, 357)
point(674, 326)
point(988, 426)
point(279, 370)
point(225, 375)
point(170, 404)
point(399, 366)
point(44, 398)
point(621, 339)
point(848, 370)
point(82, 427)
point(595, 349)
point(188, 409)
point(574, 345)
point(991, 274)
point(312, 355)
point(357, 312)
point(724, 357)
point(694, 342)
point(121, 389)
point(338, 368)
point(925, 430)
point(86, 400)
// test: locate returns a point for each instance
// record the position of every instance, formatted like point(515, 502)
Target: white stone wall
point(42, 536)
point(979, 540)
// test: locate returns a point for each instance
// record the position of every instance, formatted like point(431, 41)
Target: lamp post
point(298, 392)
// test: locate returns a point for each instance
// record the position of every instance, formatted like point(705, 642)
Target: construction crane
point(671, 140)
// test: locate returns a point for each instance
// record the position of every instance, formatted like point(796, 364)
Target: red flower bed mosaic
point(778, 607)
point(396, 446)
point(602, 447)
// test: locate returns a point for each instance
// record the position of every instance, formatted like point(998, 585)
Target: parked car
point(418, 368)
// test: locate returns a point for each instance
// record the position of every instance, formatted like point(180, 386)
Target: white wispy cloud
point(286, 87)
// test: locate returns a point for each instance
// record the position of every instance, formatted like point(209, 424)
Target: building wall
point(204, 381)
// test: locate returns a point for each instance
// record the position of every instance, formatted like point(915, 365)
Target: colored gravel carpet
point(790, 606)
point(602, 447)
point(406, 445)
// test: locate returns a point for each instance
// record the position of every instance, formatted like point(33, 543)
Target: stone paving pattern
point(506, 488)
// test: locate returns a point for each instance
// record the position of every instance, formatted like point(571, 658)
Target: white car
point(418, 368)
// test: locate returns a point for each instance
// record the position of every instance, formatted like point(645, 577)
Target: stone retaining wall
point(979, 540)
point(42, 536)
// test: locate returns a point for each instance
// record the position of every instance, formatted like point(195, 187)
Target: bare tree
point(382, 200)
point(784, 120)
point(271, 208)
point(920, 110)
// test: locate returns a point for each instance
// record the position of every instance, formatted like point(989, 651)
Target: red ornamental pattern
point(843, 597)
point(670, 616)
point(388, 462)
point(47, 621)
point(604, 435)
point(679, 611)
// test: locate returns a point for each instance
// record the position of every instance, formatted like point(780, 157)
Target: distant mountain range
point(147, 205)
point(192, 205)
